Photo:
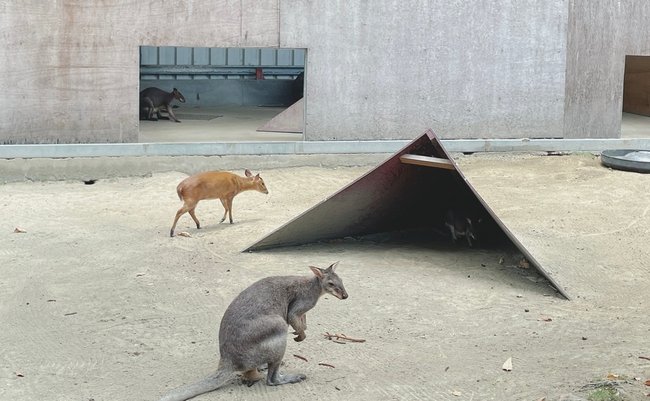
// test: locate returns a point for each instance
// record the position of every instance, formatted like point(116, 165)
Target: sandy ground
point(98, 303)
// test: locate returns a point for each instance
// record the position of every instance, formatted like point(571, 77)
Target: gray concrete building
point(381, 69)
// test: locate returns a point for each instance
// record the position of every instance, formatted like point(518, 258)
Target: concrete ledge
point(102, 167)
point(310, 147)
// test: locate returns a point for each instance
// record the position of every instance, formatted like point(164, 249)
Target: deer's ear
point(247, 172)
point(318, 272)
point(332, 267)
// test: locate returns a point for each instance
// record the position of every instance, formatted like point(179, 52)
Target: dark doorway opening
point(230, 94)
point(635, 121)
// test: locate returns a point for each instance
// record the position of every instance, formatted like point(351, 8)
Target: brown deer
point(220, 185)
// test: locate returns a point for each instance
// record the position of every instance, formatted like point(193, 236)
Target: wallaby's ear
point(332, 267)
point(317, 271)
point(247, 172)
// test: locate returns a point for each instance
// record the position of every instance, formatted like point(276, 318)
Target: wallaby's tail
point(210, 383)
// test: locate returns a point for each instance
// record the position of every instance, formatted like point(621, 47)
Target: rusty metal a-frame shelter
point(411, 190)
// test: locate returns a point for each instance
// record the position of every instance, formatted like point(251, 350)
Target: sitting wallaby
point(253, 329)
point(154, 100)
point(461, 225)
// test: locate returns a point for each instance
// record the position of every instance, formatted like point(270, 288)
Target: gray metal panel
point(269, 57)
point(167, 55)
point(201, 56)
point(217, 56)
point(285, 57)
point(176, 62)
point(148, 55)
point(234, 56)
point(299, 57)
point(252, 57)
point(184, 55)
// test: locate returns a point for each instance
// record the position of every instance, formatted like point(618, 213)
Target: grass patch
point(605, 393)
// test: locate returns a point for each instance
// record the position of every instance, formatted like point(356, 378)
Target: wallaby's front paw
point(300, 336)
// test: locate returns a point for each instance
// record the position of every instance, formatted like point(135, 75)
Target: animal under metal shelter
point(411, 190)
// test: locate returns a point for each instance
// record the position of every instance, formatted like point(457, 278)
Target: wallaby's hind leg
point(274, 378)
point(151, 109)
point(251, 377)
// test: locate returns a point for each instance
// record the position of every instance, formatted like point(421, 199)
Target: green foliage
point(605, 393)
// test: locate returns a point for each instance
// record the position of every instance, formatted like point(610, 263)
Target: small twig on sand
point(326, 364)
point(342, 338)
point(645, 357)
point(301, 357)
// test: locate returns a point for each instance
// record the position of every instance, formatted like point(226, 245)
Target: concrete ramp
point(412, 190)
point(290, 120)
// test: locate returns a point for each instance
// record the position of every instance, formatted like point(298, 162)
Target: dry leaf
point(523, 263)
point(19, 230)
point(507, 365)
point(613, 376)
point(501, 260)
point(184, 234)
point(545, 319)
point(456, 393)
point(647, 382)
point(542, 399)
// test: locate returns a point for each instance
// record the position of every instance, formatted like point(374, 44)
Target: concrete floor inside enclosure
point(240, 124)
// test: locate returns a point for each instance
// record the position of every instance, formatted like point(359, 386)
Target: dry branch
point(342, 338)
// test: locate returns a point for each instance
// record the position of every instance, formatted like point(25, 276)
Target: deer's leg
point(187, 206)
point(229, 200)
point(198, 225)
point(225, 206)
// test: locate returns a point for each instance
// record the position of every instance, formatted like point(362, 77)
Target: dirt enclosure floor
point(98, 303)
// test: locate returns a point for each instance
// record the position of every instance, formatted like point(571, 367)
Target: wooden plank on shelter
point(427, 161)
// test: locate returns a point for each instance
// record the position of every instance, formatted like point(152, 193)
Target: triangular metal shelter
point(412, 189)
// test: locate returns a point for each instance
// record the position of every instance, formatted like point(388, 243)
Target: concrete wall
point(389, 68)
point(70, 68)
point(375, 69)
point(601, 33)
